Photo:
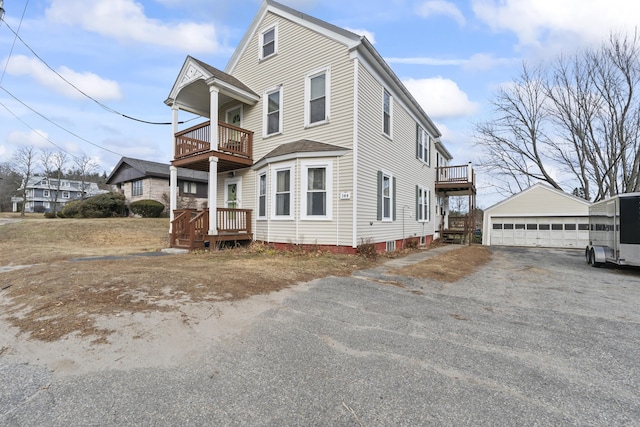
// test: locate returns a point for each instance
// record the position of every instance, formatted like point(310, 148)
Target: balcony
point(456, 180)
point(193, 147)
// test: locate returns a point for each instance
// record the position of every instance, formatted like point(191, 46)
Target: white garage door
point(554, 232)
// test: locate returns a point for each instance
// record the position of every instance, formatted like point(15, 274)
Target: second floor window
point(387, 110)
point(45, 193)
point(317, 89)
point(136, 188)
point(65, 195)
point(273, 112)
point(423, 142)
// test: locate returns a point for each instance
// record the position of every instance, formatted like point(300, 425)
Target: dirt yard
point(63, 277)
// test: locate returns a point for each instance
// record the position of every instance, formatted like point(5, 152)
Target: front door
point(234, 116)
point(232, 200)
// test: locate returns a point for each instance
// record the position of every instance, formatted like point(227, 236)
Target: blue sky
point(126, 54)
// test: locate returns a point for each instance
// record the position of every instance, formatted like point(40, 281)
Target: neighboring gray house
point(311, 139)
point(42, 193)
point(144, 180)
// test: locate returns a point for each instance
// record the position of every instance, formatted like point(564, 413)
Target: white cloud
point(368, 34)
point(126, 21)
point(483, 61)
point(443, 8)
point(440, 97)
point(540, 21)
point(36, 138)
point(90, 83)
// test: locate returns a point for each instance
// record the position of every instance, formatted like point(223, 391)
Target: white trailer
point(614, 231)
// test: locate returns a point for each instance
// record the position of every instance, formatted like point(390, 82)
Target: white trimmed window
point(317, 190)
point(282, 193)
point(136, 188)
point(262, 195)
point(317, 96)
point(423, 197)
point(423, 145)
point(387, 113)
point(273, 111)
point(65, 195)
point(386, 197)
point(189, 187)
point(45, 193)
point(268, 42)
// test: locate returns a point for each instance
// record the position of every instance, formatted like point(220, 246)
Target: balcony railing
point(455, 174)
point(231, 139)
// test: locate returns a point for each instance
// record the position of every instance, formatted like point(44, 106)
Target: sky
point(123, 57)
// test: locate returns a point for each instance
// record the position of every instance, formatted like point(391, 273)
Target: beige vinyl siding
point(300, 51)
point(398, 157)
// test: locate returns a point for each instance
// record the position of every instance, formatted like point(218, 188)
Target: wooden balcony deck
point(193, 147)
point(190, 228)
point(456, 180)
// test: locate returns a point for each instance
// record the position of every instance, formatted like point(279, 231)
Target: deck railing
point(450, 174)
point(190, 227)
point(231, 139)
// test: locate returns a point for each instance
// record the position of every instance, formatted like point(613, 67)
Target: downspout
point(337, 200)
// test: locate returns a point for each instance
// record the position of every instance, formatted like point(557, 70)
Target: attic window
point(269, 42)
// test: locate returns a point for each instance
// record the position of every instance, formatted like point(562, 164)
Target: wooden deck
point(455, 180)
point(190, 228)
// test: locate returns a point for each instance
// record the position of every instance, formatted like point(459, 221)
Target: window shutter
point(393, 188)
point(417, 203)
point(379, 214)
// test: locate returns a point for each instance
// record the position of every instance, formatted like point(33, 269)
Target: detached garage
point(538, 216)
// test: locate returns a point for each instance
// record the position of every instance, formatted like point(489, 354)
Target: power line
point(54, 123)
point(105, 107)
point(16, 33)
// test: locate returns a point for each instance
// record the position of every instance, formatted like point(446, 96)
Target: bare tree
point(516, 147)
point(24, 163)
point(580, 115)
point(53, 164)
point(86, 166)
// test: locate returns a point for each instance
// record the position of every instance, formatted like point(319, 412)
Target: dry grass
point(450, 266)
point(59, 296)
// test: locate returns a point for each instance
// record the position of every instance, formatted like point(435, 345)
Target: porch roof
point(191, 89)
point(301, 148)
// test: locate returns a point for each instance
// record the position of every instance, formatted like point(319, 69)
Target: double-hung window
point(136, 188)
point(423, 145)
point(387, 112)
point(66, 195)
point(262, 195)
point(269, 42)
point(316, 190)
point(386, 197)
point(423, 197)
point(45, 193)
point(273, 111)
point(317, 90)
point(282, 193)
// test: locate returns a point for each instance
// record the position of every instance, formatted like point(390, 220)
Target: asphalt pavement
point(535, 337)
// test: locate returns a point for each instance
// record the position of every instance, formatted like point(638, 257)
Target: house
point(311, 139)
point(144, 180)
point(43, 193)
point(538, 216)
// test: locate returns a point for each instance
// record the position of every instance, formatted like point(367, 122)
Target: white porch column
point(213, 113)
point(173, 192)
point(174, 127)
point(213, 195)
point(469, 172)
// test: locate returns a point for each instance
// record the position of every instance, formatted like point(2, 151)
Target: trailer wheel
point(592, 259)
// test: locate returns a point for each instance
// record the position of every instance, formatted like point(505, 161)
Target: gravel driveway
point(536, 337)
